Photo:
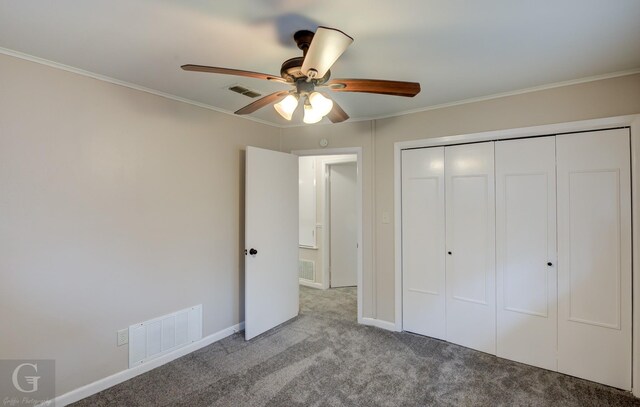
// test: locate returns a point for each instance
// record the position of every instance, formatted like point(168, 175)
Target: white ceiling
point(456, 49)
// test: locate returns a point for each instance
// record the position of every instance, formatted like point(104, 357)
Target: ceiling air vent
point(244, 91)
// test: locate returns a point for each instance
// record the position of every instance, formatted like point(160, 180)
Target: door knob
point(449, 253)
point(549, 264)
point(253, 251)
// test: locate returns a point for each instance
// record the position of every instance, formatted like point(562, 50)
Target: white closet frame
point(631, 121)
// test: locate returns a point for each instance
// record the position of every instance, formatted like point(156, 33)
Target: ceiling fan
point(320, 50)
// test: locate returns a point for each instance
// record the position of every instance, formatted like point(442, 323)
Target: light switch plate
point(123, 337)
point(385, 217)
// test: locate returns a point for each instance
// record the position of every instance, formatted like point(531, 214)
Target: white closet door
point(594, 264)
point(423, 242)
point(470, 266)
point(526, 251)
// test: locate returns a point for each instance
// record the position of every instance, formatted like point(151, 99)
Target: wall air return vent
point(307, 270)
point(156, 337)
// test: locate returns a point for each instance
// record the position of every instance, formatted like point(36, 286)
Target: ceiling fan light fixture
point(287, 106)
point(320, 103)
point(320, 50)
point(311, 115)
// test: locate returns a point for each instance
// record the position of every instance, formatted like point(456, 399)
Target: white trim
point(635, 215)
point(309, 283)
point(506, 94)
point(397, 235)
point(631, 121)
point(301, 246)
point(124, 375)
point(378, 323)
point(359, 209)
point(53, 64)
point(326, 240)
point(547, 129)
point(340, 160)
point(126, 84)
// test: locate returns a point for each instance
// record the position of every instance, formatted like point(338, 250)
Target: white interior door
point(343, 224)
point(526, 251)
point(423, 242)
point(271, 239)
point(594, 263)
point(470, 260)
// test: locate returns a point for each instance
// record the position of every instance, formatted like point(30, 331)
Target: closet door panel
point(526, 251)
point(470, 260)
point(423, 241)
point(594, 248)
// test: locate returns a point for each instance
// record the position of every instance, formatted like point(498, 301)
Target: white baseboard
point(389, 326)
point(116, 378)
point(312, 284)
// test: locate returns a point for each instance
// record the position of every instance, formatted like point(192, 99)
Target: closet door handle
point(549, 264)
point(449, 253)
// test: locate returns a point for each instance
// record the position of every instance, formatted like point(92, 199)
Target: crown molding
point(126, 84)
point(130, 85)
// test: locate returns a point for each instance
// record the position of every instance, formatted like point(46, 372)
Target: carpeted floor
point(324, 358)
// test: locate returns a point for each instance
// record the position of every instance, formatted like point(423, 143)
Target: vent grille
point(307, 270)
point(244, 91)
point(156, 337)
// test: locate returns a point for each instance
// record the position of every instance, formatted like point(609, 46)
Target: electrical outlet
point(123, 337)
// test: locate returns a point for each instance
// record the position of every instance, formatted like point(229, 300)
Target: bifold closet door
point(423, 242)
point(526, 251)
point(470, 241)
point(594, 249)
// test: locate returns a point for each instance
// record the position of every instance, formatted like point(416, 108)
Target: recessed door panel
point(470, 241)
point(594, 227)
point(526, 251)
point(423, 241)
point(594, 264)
point(469, 206)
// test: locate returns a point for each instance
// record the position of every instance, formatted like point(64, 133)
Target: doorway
point(330, 208)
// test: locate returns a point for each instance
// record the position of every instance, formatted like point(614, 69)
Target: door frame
point(630, 121)
point(359, 212)
point(326, 237)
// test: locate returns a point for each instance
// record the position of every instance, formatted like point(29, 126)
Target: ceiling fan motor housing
point(291, 70)
point(303, 87)
point(303, 40)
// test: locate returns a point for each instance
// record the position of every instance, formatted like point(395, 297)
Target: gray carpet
point(324, 358)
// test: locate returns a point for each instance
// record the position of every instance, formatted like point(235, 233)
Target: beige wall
point(604, 98)
point(116, 206)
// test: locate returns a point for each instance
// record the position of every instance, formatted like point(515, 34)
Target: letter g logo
point(32, 380)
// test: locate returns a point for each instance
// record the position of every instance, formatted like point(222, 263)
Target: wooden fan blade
point(396, 88)
point(262, 102)
point(326, 47)
point(229, 71)
point(337, 115)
